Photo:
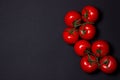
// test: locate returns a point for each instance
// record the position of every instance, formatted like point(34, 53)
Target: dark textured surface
point(31, 46)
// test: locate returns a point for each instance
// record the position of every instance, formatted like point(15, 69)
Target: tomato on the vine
point(108, 64)
point(89, 14)
point(70, 35)
point(87, 31)
point(100, 48)
point(81, 47)
point(88, 64)
point(72, 18)
point(93, 56)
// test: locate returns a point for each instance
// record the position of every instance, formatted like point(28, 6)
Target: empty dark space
point(31, 44)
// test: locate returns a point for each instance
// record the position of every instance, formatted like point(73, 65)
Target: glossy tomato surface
point(81, 47)
point(90, 14)
point(108, 64)
point(87, 31)
point(70, 35)
point(88, 64)
point(100, 48)
point(71, 17)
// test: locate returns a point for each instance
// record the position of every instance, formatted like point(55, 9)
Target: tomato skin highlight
point(100, 48)
point(71, 17)
point(90, 14)
point(81, 46)
point(108, 64)
point(87, 31)
point(70, 35)
point(88, 67)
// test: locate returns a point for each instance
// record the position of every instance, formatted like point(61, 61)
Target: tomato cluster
point(80, 30)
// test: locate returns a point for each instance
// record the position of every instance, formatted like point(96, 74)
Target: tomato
point(100, 48)
point(108, 64)
point(87, 31)
point(89, 14)
point(88, 64)
point(71, 17)
point(81, 47)
point(70, 35)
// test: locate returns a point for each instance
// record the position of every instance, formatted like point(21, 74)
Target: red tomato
point(81, 47)
point(71, 17)
point(108, 64)
point(89, 14)
point(70, 35)
point(88, 64)
point(100, 48)
point(87, 31)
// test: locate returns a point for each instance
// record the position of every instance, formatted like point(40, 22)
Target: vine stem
point(89, 52)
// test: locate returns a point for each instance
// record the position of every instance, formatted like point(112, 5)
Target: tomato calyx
point(98, 51)
point(90, 60)
point(83, 32)
point(76, 23)
point(88, 51)
point(71, 30)
point(86, 15)
point(106, 62)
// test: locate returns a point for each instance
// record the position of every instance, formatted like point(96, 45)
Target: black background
point(31, 44)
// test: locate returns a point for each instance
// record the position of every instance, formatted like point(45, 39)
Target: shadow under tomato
point(100, 17)
point(96, 24)
point(95, 73)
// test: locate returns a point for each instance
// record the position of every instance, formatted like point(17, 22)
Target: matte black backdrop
point(31, 45)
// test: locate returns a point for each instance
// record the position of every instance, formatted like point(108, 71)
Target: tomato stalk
point(90, 60)
point(71, 30)
point(89, 52)
point(78, 23)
